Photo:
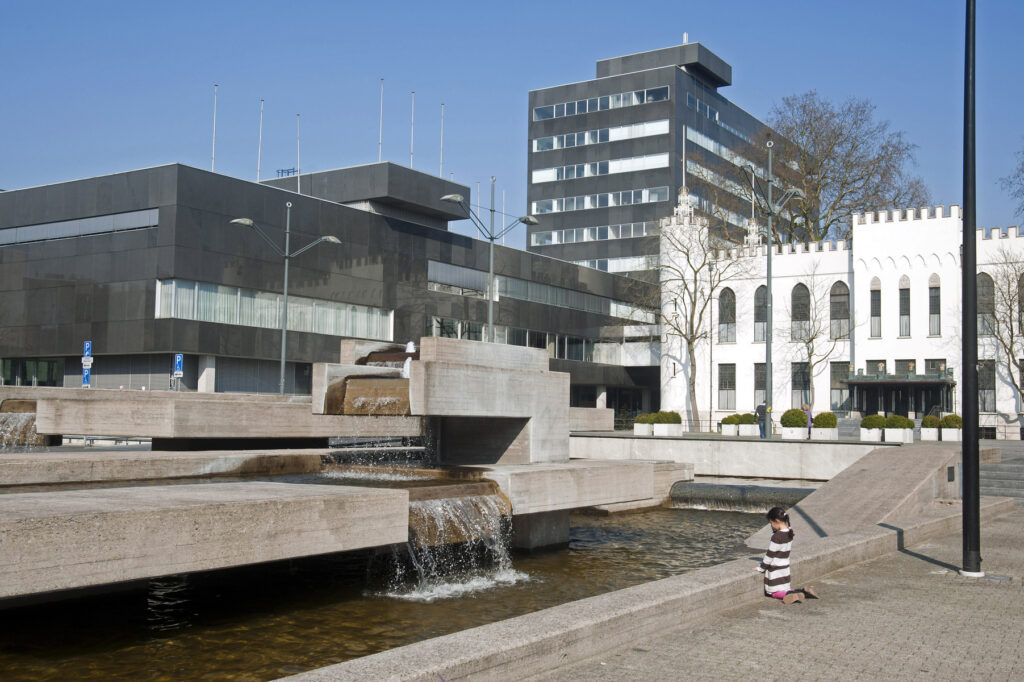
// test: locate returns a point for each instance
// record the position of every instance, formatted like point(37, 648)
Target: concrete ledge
point(557, 637)
point(91, 465)
point(195, 418)
point(743, 497)
point(711, 456)
point(81, 538)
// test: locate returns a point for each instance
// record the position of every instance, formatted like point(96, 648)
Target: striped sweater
point(775, 564)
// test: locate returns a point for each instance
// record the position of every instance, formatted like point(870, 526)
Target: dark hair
point(779, 514)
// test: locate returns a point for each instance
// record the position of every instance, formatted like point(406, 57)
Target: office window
point(876, 308)
point(934, 306)
point(986, 385)
point(760, 313)
point(904, 312)
point(727, 387)
point(839, 311)
point(801, 391)
point(840, 398)
point(986, 305)
point(760, 382)
point(727, 316)
point(800, 305)
point(585, 106)
point(905, 367)
point(875, 367)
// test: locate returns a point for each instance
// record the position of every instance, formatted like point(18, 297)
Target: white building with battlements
point(869, 325)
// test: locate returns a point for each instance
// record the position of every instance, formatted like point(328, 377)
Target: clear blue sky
point(99, 87)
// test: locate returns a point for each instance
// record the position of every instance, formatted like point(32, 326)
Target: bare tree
point(842, 159)
point(811, 332)
point(1014, 182)
point(1001, 312)
point(691, 274)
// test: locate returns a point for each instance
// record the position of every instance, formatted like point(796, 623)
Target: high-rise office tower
point(608, 156)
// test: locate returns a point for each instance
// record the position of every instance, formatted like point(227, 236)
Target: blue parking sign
point(87, 349)
point(86, 377)
point(179, 359)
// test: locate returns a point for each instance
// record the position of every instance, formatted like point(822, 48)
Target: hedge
point(952, 421)
point(930, 422)
point(667, 418)
point(732, 419)
point(873, 421)
point(748, 418)
point(895, 421)
point(644, 418)
point(825, 420)
point(794, 418)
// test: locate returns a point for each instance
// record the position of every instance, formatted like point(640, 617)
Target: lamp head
point(244, 222)
point(528, 220)
point(330, 239)
point(453, 198)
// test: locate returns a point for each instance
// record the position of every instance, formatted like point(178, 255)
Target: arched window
point(904, 306)
point(839, 310)
point(876, 308)
point(760, 314)
point(934, 306)
point(727, 316)
point(800, 309)
point(986, 305)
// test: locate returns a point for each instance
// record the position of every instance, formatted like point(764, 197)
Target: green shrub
point(732, 419)
point(666, 418)
point(873, 421)
point(952, 421)
point(895, 421)
point(825, 420)
point(930, 422)
point(748, 418)
point(794, 418)
point(644, 418)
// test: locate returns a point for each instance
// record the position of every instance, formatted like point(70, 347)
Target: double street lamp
point(491, 236)
point(287, 254)
point(763, 197)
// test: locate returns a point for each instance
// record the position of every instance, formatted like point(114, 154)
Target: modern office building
point(608, 156)
point(146, 264)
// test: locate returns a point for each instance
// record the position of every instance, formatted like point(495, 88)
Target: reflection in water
point(263, 622)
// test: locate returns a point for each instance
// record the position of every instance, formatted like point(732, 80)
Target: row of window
point(719, 212)
point(615, 134)
point(801, 327)
point(456, 279)
point(187, 300)
point(586, 106)
point(934, 306)
point(80, 227)
point(603, 200)
point(560, 346)
point(596, 168)
point(800, 385)
point(624, 264)
point(591, 234)
point(707, 110)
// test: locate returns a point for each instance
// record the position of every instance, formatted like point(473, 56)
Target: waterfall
point(457, 546)
point(18, 428)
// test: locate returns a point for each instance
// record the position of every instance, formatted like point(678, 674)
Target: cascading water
point(456, 546)
point(18, 429)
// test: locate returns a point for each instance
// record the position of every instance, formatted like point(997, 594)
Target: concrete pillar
point(207, 382)
point(602, 397)
point(540, 530)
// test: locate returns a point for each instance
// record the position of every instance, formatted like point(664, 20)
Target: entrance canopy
point(909, 395)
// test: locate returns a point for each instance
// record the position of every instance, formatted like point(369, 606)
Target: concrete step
point(991, 491)
point(1003, 468)
point(1001, 483)
point(1001, 475)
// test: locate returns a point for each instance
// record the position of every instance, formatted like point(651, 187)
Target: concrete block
point(496, 355)
point(376, 396)
point(541, 530)
point(328, 389)
point(80, 538)
point(591, 419)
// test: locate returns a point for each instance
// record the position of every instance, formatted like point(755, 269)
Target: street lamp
point(287, 254)
point(491, 236)
point(763, 196)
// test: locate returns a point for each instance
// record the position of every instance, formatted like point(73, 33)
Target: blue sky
point(101, 87)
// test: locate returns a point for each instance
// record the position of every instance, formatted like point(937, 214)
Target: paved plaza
point(904, 616)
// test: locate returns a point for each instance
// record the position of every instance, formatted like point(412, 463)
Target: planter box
point(951, 434)
point(729, 429)
point(824, 434)
point(750, 430)
point(871, 435)
point(899, 435)
point(668, 429)
point(929, 434)
point(794, 433)
point(642, 429)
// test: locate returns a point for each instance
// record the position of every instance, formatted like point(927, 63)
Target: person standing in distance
point(763, 413)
